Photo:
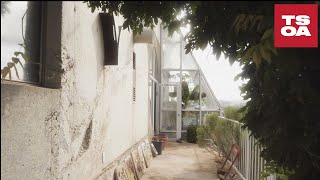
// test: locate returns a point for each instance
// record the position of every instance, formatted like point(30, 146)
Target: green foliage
point(202, 134)
point(273, 168)
point(283, 111)
point(232, 112)
point(192, 133)
point(185, 93)
point(195, 93)
point(223, 133)
point(283, 89)
point(6, 70)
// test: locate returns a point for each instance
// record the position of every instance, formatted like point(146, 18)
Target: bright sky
point(220, 75)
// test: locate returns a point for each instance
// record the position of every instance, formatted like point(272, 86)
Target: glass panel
point(170, 51)
point(170, 134)
point(20, 39)
point(169, 97)
point(190, 90)
point(190, 118)
point(207, 99)
point(170, 76)
point(168, 121)
point(152, 87)
point(188, 62)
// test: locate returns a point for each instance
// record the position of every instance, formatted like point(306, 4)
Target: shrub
point(223, 133)
point(192, 133)
point(233, 112)
point(202, 135)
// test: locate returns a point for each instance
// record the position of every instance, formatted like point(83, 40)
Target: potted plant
point(157, 144)
point(161, 137)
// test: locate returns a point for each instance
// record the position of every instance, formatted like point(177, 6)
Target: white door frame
point(178, 110)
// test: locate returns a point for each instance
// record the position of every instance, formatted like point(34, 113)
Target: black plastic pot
point(158, 146)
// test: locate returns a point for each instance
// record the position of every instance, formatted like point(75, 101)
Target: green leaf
point(17, 53)
point(248, 54)
point(267, 34)
point(21, 64)
point(238, 22)
point(256, 57)
point(246, 23)
point(4, 72)
point(265, 54)
point(17, 74)
point(269, 44)
point(10, 65)
point(25, 57)
point(15, 60)
point(93, 8)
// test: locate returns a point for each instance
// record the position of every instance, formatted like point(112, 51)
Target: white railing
point(249, 164)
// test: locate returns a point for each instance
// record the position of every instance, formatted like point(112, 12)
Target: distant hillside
point(225, 103)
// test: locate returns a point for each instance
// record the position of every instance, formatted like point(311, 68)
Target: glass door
point(170, 110)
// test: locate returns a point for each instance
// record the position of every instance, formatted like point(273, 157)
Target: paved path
point(182, 161)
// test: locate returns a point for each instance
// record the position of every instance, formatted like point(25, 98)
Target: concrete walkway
point(182, 161)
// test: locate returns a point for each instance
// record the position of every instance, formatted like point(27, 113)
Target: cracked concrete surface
point(182, 161)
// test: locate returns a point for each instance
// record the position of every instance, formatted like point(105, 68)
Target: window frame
point(43, 6)
point(50, 12)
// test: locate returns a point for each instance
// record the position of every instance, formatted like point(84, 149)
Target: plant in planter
point(185, 94)
point(192, 133)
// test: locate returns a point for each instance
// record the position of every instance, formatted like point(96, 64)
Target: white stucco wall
point(95, 114)
point(97, 94)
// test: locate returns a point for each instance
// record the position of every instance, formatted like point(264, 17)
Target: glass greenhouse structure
point(183, 93)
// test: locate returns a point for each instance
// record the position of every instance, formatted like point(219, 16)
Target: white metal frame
point(250, 164)
point(201, 75)
point(178, 110)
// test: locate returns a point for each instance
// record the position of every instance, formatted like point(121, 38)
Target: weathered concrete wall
point(98, 115)
point(76, 131)
point(28, 115)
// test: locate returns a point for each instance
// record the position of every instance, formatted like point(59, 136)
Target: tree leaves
point(24, 56)
point(4, 72)
point(245, 22)
point(283, 103)
point(264, 50)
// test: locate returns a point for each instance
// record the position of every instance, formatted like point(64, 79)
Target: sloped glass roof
point(178, 67)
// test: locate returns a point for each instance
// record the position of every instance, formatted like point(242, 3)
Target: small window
point(110, 39)
point(21, 40)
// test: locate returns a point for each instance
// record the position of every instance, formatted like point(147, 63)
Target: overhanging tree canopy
point(283, 85)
